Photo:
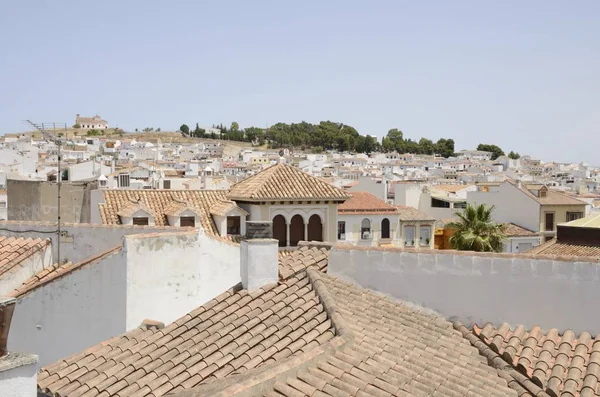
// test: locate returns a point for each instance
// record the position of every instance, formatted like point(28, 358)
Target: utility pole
point(53, 137)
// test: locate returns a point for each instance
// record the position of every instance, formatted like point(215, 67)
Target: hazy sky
point(520, 74)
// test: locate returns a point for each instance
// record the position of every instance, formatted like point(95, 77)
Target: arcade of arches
point(290, 231)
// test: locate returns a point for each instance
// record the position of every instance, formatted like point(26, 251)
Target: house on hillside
point(95, 122)
point(531, 206)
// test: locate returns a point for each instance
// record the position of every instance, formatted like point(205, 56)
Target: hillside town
point(148, 265)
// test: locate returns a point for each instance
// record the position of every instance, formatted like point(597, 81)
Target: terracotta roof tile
point(14, 250)
point(230, 334)
point(284, 182)
point(159, 201)
point(553, 197)
point(308, 255)
point(554, 247)
point(514, 230)
point(362, 202)
point(223, 207)
point(566, 364)
point(412, 214)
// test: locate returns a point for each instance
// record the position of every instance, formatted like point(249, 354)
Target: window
point(435, 203)
point(542, 193)
point(2, 204)
point(365, 229)
point(187, 221)
point(140, 221)
point(123, 180)
point(385, 228)
point(571, 216)
point(166, 184)
point(425, 235)
point(409, 236)
point(460, 205)
point(549, 218)
point(103, 182)
point(233, 225)
point(341, 230)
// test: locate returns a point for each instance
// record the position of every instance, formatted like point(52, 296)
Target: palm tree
point(476, 231)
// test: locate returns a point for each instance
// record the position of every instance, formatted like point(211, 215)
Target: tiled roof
point(513, 230)
point(284, 182)
point(158, 201)
point(232, 333)
point(14, 250)
point(56, 271)
point(129, 209)
point(412, 214)
point(385, 348)
point(308, 255)
point(362, 202)
point(178, 206)
point(564, 364)
point(223, 207)
point(552, 197)
point(554, 247)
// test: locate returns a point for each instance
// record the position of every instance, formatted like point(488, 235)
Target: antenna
point(53, 137)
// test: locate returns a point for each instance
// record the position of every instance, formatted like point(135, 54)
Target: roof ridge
point(504, 368)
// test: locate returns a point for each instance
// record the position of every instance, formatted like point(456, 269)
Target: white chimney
point(259, 256)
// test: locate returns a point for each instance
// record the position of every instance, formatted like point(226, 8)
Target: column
point(287, 235)
point(305, 231)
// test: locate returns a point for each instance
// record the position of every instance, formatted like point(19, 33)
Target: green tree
point(475, 230)
point(444, 147)
point(235, 126)
point(76, 125)
point(496, 151)
point(426, 146)
point(514, 155)
point(185, 129)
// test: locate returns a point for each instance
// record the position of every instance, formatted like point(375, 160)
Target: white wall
point(511, 206)
point(354, 222)
point(515, 244)
point(477, 287)
point(29, 267)
point(69, 314)
point(80, 240)
point(170, 275)
point(19, 381)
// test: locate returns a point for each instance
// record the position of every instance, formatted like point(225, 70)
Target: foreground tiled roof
point(232, 333)
point(158, 201)
point(58, 270)
point(364, 202)
point(382, 347)
point(554, 247)
point(306, 256)
point(563, 365)
point(285, 182)
point(14, 250)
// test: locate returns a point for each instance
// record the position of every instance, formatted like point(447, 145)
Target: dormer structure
point(229, 218)
point(181, 213)
point(136, 213)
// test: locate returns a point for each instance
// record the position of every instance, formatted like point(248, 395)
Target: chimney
point(7, 307)
point(519, 183)
point(259, 256)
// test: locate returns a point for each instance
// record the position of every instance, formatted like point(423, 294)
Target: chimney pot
point(7, 307)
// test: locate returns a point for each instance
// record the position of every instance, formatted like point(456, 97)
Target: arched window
point(385, 228)
point(315, 228)
point(296, 230)
point(365, 229)
point(280, 230)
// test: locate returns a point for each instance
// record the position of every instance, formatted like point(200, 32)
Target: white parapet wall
point(18, 375)
point(552, 292)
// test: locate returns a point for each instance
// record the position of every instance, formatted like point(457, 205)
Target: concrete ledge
point(15, 360)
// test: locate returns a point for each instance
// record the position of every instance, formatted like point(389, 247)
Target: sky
point(524, 75)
